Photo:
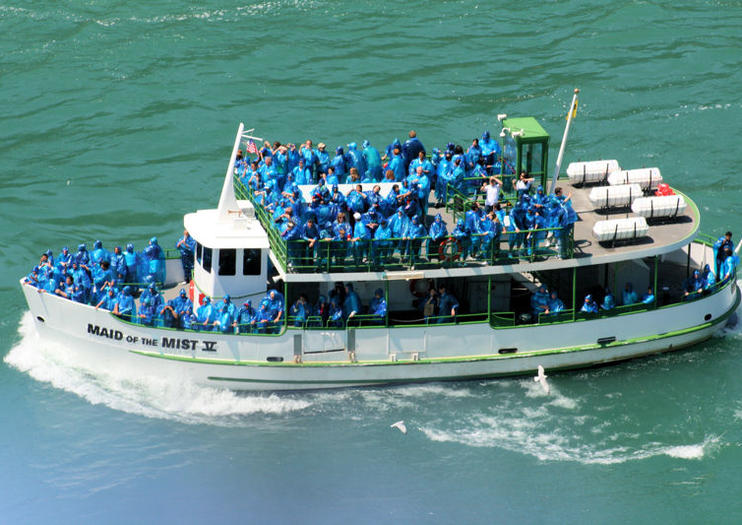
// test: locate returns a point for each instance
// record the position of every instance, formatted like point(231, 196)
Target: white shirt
point(493, 194)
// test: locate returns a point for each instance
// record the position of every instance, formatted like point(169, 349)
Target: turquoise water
point(118, 118)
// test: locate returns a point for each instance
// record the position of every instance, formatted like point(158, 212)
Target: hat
point(321, 145)
point(357, 216)
point(366, 143)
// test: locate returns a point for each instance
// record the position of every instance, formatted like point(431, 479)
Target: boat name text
point(170, 343)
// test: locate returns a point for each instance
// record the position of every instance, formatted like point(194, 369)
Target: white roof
point(239, 229)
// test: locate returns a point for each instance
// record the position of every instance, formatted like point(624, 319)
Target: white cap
point(357, 216)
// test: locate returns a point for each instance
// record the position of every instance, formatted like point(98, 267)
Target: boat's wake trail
point(165, 398)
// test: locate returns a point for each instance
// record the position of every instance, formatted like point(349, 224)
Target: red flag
point(251, 147)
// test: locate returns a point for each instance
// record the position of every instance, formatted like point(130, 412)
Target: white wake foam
point(155, 397)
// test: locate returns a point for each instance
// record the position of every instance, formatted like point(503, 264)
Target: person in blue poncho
point(490, 150)
point(447, 306)
point(339, 163)
point(609, 302)
point(490, 230)
point(381, 247)
point(168, 314)
point(397, 165)
point(648, 298)
point(444, 175)
point(629, 295)
point(311, 162)
point(359, 240)
point(463, 239)
point(332, 179)
point(555, 304)
point(310, 235)
point(205, 315)
point(246, 318)
point(377, 307)
point(108, 301)
point(299, 311)
point(693, 284)
point(125, 306)
point(268, 171)
point(263, 319)
point(302, 174)
point(398, 225)
point(720, 247)
point(182, 304)
point(276, 306)
point(412, 148)
point(539, 302)
point(102, 279)
point(225, 315)
point(373, 161)
point(155, 258)
point(82, 256)
point(323, 157)
point(64, 259)
point(589, 306)
point(729, 266)
point(118, 265)
point(355, 159)
point(517, 223)
point(471, 223)
point(438, 235)
point(99, 254)
point(352, 303)
point(414, 237)
point(67, 288)
point(186, 245)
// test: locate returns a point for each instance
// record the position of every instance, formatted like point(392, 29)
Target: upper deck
point(584, 250)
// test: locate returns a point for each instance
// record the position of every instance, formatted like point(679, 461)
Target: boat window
point(199, 248)
point(251, 262)
point(207, 260)
point(227, 261)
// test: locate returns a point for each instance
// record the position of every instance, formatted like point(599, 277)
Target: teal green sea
point(118, 118)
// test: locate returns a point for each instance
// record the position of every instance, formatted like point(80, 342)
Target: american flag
point(251, 147)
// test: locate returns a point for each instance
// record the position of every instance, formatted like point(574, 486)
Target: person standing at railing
point(397, 165)
point(447, 306)
point(186, 245)
point(359, 240)
point(438, 235)
point(99, 254)
point(720, 247)
point(125, 306)
point(398, 225)
point(490, 151)
point(412, 148)
point(294, 248)
point(381, 246)
point(377, 307)
point(693, 284)
point(352, 303)
point(463, 240)
point(444, 172)
point(373, 161)
point(64, 258)
point(492, 193)
point(729, 265)
point(118, 265)
point(490, 229)
point(555, 304)
point(589, 306)
point(322, 310)
point(339, 163)
point(311, 161)
point(108, 301)
point(299, 311)
point(301, 174)
point(458, 175)
point(609, 302)
point(539, 302)
point(629, 295)
point(310, 234)
point(414, 237)
point(245, 319)
point(430, 305)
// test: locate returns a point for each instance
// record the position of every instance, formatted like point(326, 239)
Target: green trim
point(444, 360)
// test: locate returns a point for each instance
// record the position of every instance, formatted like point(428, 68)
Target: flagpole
point(572, 108)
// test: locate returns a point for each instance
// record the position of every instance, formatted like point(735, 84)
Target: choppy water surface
point(119, 118)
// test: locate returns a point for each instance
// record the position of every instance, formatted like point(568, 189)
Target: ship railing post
point(574, 293)
point(656, 279)
point(386, 298)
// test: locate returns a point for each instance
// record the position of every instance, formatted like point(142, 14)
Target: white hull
point(384, 355)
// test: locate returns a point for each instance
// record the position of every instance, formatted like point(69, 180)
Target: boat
point(493, 332)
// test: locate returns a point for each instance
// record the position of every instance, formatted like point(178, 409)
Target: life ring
point(444, 254)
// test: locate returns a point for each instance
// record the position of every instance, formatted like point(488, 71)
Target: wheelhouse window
point(207, 259)
point(199, 249)
point(251, 262)
point(227, 261)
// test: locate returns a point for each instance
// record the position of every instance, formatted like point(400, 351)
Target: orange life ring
point(454, 256)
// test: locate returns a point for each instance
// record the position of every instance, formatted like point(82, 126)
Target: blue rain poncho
point(206, 315)
point(155, 258)
point(99, 253)
point(226, 315)
point(125, 305)
point(354, 159)
point(539, 301)
point(589, 306)
point(352, 303)
point(299, 313)
point(373, 162)
point(629, 295)
point(82, 256)
point(438, 230)
point(339, 163)
point(246, 317)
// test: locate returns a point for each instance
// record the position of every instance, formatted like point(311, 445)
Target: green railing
point(368, 255)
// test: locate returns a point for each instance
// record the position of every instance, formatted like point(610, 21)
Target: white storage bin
point(647, 178)
point(615, 196)
point(655, 207)
point(591, 171)
point(620, 229)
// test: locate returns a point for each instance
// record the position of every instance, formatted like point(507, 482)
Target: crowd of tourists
point(371, 227)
